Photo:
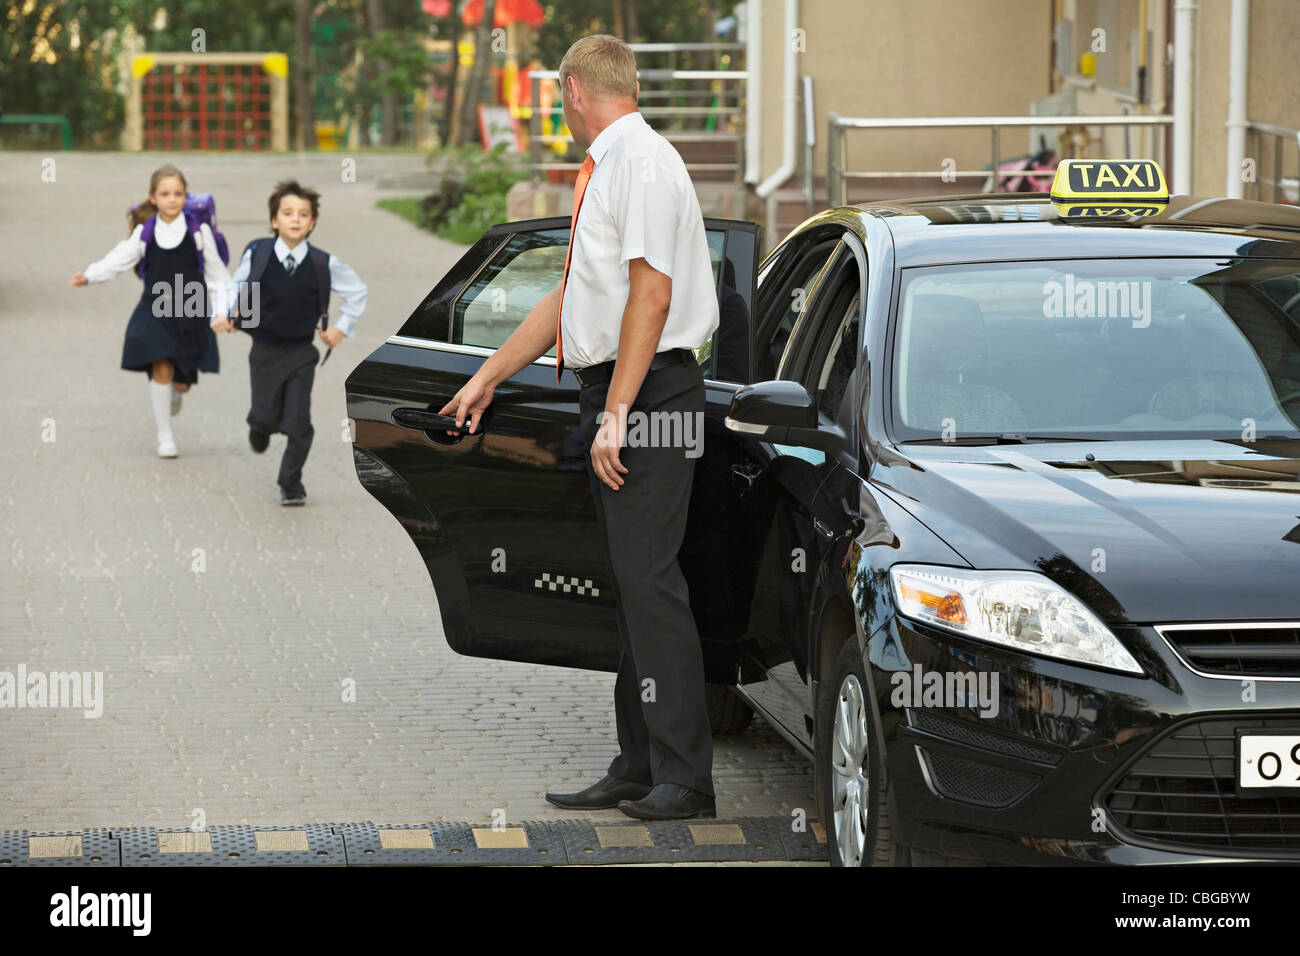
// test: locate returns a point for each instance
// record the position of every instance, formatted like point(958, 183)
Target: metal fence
point(713, 99)
point(837, 157)
point(1280, 136)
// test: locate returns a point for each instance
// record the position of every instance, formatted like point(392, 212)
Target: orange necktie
point(579, 188)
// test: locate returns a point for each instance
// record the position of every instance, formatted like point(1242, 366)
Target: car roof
point(986, 227)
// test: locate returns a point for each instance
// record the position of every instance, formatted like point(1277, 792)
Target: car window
point(518, 276)
point(1106, 349)
point(828, 360)
point(500, 297)
point(783, 282)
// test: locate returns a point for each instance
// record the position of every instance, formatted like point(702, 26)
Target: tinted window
point(782, 283)
point(1100, 349)
point(828, 360)
point(500, 297)
point(525, 270)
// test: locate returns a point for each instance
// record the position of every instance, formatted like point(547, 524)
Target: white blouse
point(127, 253)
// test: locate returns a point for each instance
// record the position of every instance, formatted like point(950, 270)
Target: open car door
point(504, 519)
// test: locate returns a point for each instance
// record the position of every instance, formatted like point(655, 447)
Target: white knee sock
point(160, 396)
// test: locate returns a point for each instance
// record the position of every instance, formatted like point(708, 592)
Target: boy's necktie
point(290, 263)
point(579, 188)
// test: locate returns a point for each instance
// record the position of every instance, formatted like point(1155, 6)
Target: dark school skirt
point(188, 341)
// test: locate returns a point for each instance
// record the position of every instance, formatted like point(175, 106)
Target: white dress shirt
point(128, 253)
point(639, 203)
point(343, 280)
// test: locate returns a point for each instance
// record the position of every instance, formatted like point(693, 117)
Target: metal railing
point(837, 158)
point(42, 119)
point(1280, 135)
point(721, 96)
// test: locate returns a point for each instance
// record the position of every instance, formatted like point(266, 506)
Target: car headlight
point(1017, 609)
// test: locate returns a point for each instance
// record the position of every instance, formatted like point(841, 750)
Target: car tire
point(843, 791)
point(728, 714)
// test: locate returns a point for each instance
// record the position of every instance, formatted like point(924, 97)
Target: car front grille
point(1180, 793)
point(1238, 650)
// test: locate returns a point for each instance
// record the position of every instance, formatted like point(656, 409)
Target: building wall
point(982, 57)
point(1273, 87)
point(918, 58)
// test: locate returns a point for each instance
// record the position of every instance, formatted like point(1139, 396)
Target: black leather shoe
point(604, 794)
point(293, 497)
point(671, 801)
point(258, 440)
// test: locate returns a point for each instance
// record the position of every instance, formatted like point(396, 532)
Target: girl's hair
point(147, 209)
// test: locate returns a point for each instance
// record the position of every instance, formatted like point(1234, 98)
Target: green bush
point(473, 193)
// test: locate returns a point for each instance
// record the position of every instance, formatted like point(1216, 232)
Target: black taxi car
point(996, 518)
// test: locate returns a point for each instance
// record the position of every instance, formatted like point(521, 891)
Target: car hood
point(1147, 532)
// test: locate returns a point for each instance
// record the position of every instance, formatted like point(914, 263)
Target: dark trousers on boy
point(281, 375)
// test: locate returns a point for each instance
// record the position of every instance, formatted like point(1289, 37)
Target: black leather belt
point(601, 372)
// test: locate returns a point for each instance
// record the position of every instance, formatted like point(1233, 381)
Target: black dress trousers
point(281, 376)
point(665, 737)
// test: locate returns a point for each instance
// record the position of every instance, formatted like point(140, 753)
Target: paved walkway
point(223, 687)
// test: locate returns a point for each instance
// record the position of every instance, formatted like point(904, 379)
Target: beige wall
point(956, 57)
point(914, 58)
point(1273, 87)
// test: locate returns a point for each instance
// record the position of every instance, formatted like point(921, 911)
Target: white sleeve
point(125, 255)
point(214, 270)
point(640, 200)
point(346, 284)
point(227, 303)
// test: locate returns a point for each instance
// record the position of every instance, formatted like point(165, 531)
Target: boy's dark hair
point(291, 187)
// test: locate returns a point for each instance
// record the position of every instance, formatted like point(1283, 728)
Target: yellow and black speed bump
point(808, 843)
point(59, 848)
point(315, 844)
point(552, 842)
point(671, 841)
point(451, 843)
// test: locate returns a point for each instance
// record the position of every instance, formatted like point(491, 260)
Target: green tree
point(62, 57)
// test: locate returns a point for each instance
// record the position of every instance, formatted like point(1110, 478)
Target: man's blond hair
point(603, 64)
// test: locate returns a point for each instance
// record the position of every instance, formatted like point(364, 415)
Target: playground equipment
point(42, 119)
point(183, 101)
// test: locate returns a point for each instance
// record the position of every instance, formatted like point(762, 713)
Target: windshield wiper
point(1004, 438)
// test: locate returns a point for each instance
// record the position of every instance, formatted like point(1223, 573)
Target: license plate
point(1268, 762)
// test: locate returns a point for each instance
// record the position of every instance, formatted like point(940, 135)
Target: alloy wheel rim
point(850, 787)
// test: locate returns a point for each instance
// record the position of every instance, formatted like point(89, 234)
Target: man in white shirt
point(637, 296)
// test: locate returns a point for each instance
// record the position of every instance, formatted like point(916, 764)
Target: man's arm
point(533, 339)
point(528, 343)
point(644, 318)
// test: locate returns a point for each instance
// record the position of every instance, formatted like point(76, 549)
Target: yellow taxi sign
point(1109, 182)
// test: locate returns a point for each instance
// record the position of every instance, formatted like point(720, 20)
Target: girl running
point(168, 337)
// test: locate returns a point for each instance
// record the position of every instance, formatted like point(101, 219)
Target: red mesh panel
point(206, 106)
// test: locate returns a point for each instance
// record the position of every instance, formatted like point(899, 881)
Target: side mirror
point(783, 413)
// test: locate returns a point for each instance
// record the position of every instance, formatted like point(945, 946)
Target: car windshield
point(1101, 349)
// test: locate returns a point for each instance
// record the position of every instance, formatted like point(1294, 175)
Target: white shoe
point(167, 448)
point(176, 401)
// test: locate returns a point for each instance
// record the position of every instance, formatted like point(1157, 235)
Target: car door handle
point(424, 420)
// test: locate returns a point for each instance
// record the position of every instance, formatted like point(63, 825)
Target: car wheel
point(852, 786)
point(728, 714)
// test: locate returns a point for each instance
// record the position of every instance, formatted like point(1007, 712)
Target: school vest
point(291, 306)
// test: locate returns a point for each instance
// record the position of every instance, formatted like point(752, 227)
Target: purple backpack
point(200, 208)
